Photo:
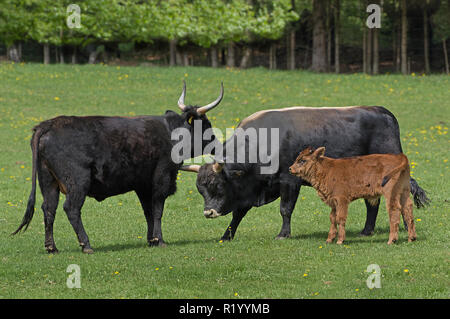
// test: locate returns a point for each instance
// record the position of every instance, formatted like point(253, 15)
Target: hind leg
point(393, 207)
point(333, 226)
point(408, 218)
point(50, 193)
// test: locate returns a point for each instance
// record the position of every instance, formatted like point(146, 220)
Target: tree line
point(321, 35)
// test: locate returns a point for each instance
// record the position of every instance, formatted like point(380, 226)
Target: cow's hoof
point(281, 237)
point(365, 232)
point(340, 242)
point(52, 250)
point(329, 241)
point(87, 250)
point(156, 242)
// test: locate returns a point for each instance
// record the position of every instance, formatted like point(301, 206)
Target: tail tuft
point(420, 196)
point(28, 215)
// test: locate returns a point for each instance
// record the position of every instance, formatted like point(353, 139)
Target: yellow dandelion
point(405, 270)
point(305, 275)
point(56, 98)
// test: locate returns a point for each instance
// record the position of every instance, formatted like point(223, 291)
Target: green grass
point(195, 264)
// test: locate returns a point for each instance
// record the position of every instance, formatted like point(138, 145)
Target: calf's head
point(304, 165)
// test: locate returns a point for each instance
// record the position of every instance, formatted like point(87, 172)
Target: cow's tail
point(420, 196)
point(32, 199)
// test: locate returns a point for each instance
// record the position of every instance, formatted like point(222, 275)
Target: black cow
point(99, 156)
point(344, 131)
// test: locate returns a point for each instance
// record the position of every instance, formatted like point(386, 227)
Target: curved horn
point(210, 106)
point(190, 168)
point(181, 104)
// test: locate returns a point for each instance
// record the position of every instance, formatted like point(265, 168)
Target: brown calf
point(341, 181)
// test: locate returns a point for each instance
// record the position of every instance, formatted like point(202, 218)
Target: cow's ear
point(319, 152)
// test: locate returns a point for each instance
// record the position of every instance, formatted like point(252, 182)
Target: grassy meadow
point(195, 264)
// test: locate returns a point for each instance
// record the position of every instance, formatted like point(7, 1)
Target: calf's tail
point(32, 199)
point(396, 170)
point(420, 196)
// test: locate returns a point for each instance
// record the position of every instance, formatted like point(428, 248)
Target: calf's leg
point(394, 209)
point(407, 212)
point(341, 218)
point(333, 228)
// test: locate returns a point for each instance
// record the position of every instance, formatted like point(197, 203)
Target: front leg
point(288, 194)
point(333, 228)
point(157, 211)
point(341, 218)
point(145, 197)
point(235, 221)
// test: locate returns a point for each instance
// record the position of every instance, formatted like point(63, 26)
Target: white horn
point(181, 104)
point(210, 106)
point(190, 168)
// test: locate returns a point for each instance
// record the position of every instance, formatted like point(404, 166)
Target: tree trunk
point(319, 52)
point(92, 57)
point(444, 46)
point(399, 50)
point(369, 50)
point(214, 59)
point(426, 46)
point(74, 55)
point(46, 53)
point(246, 58)
point(337, 29)
point(273, 56)
point(291, 50)
point(13, 53)
point(404, 47)
point(376, 53)
point(173, 52)
point(230, 55)
point(61, 55)
point(364, 50)
point(185, 59)
point(328, 27)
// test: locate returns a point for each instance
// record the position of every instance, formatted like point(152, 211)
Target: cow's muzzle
point(211, 213)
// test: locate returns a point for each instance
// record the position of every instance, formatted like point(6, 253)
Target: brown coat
point(341, 181)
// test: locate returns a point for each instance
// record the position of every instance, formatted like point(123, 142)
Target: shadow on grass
point(354, 236)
